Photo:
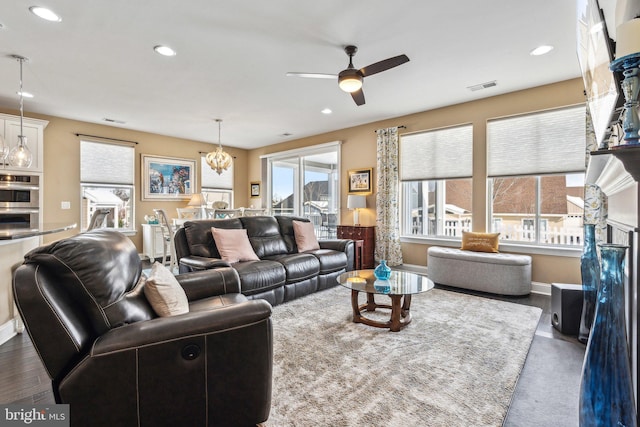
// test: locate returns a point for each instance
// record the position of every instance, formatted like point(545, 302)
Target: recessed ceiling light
point(326, 111)
point(45, 13)
point(164, 50)
point(541, 50)
point(25, 94)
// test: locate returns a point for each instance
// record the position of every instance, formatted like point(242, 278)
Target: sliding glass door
point(305, 183)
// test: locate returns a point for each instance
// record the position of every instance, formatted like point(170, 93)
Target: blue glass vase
point(590, 269)
point(382, 271)
point(606, 392)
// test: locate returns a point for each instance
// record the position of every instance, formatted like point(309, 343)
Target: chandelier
point(219, 160)
point(20, 155)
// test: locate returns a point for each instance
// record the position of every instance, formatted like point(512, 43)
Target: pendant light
point(20, 155)
point(219, 160)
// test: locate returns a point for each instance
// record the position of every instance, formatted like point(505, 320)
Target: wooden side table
point(364, 233)
point(358, 246)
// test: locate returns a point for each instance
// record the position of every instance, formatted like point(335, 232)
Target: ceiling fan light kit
point(350, 79)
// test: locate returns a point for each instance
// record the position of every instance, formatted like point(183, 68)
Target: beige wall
point(62, 169)
point(359, 151)
point(62, 162)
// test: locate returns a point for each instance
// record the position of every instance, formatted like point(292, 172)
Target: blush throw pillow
point(164, 293)
point(305, 236)
point(480, 242)
point(234, 244)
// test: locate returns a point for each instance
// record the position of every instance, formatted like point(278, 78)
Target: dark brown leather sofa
point(282, 273)
point(118, 364)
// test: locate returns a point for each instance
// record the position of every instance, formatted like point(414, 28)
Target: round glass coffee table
point(400, 287)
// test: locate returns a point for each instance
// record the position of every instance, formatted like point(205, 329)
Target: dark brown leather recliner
point(118, 364)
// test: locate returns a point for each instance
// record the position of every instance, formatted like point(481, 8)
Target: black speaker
point(566, 307)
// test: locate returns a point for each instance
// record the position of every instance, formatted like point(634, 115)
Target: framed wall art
point(360, 181)
point(167, 178)
point(255, 189)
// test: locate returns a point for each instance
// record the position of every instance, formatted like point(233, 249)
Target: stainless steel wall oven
point(19, 201)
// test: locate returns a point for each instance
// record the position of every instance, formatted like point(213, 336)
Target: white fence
point(552, 236)
point(521, 233)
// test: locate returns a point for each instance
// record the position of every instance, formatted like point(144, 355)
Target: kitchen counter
point(15, 234)
point(14, 244)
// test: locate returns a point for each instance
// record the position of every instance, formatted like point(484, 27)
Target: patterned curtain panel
point(388, 198)
point(596, 210)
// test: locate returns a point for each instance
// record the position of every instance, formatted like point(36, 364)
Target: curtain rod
point(104, 137)
point(399, 127)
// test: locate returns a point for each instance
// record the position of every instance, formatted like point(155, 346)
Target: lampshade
point(20, 155)
point(628, 38)
point(197, 200)
point(350, 80)
point(355, 201)
point(219, 160)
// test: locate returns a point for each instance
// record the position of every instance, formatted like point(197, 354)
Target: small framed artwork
point(255, 189)
point(167, 178)
point(360, 181)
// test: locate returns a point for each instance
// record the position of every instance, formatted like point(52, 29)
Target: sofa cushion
point(164, 293)
point(305, 235)
point(330, 260)
point(264, 234)
point(233, 245)
point(286, 229)
point(298, 266)
point(260, 276)
point(199, 238)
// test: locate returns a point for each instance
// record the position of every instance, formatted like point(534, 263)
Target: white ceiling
point(233, 55)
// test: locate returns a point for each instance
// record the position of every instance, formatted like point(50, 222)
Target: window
point(107, 182)
point(436, 169)
point(216, 187)
point(536, 168)
point(305, 182)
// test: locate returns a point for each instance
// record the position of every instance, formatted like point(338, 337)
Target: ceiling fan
point(350, 79)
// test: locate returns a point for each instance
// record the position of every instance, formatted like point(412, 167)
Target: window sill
point(563, 251)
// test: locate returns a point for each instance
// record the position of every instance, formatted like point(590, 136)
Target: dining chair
point(168, 256)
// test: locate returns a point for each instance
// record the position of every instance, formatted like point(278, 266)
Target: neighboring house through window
point(107, 182)
point(306, 182)
point(435, 169)
point(536, 166)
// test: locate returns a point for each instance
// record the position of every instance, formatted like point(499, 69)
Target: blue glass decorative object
point(606, 392)
point(590, 269)
point(382, 286)
point(382, 271)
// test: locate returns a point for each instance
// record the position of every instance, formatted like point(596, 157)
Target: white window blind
point(437, 154)
point(211, 179)
point(106, 163)
point(538, 143)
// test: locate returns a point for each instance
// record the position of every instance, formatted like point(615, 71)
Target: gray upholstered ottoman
point(504, 274)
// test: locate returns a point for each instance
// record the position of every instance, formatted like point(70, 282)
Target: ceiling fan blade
point(378, 67)
point(358, 97)
point(312, 75)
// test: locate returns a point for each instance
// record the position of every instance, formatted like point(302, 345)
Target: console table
point(366, 233)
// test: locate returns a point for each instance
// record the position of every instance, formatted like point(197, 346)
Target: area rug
point(455, 364)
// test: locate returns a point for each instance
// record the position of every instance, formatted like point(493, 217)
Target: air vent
point(482, 86)
point(120, 122)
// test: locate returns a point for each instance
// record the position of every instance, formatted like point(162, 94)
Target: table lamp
point(356, 202)
point(198, 201)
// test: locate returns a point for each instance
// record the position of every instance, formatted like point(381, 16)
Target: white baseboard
point(7, 331)
point(536, 287)
point(541, 288)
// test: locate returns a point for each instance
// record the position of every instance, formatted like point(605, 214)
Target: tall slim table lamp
point(356, 202)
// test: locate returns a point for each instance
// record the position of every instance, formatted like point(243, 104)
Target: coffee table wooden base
point(400, 314)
